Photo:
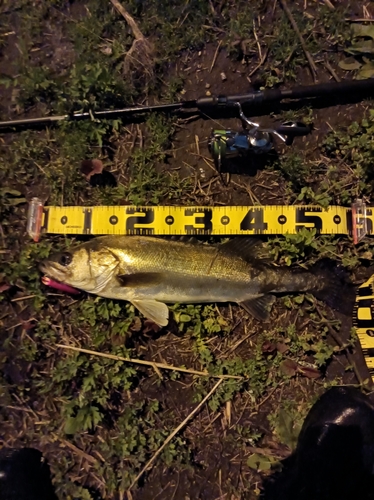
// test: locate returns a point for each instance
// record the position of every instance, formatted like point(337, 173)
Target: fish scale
point(172, 256)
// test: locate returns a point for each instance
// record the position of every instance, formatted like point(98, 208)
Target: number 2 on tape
point(147, 218)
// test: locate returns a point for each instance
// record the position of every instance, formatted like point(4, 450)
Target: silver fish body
point(150, 272)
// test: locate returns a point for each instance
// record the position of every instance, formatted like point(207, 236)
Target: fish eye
point(65, 259)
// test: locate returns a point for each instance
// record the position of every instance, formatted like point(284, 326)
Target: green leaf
point(349, 64)
point(286, 430)
point(16, 201)
point(184, 318)
point(299, 299)
point(362, 47)
point(71, 426)
point(260, 462)
point(11, 192)
point(363, 30)
point(6, 80)
point(12, 196)
point(366, 71)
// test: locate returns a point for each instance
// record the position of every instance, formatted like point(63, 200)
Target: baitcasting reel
point(228, 144)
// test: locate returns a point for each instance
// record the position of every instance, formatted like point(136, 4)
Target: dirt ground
point(129, 410)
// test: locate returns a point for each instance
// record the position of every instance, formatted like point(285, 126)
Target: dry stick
point(175, 431)
point(329, 4)
point(359, 20)
point(215, 56)
point(332, 71)
point(235, 346)
point(152, 364)
point(23, 298)
point(312, 65)
point(78, 451)
point(141, 51)
point(264, 57)
point(130, 20)
point(256, 38)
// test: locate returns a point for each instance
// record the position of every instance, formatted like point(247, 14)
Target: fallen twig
point(235, 346)
point(359, 20)
point(130, 20)
point(140, 56)
point(78, 451)
point(261, 56)
point(332, 71)
point(329, 4)
point(312, 65)
point(175, 431)
point(215, 56)
point(264, 57)
point(257, 41)
point(152, 364)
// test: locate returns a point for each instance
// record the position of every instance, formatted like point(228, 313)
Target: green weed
point(334, 24)
point(295, 169)
point(353, 148)
point(285, 50)
point(301, 247)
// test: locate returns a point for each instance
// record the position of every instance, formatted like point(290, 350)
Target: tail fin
point(334, 286)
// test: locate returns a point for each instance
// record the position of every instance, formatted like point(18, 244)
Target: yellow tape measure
point(363, 321)
point(184, 220)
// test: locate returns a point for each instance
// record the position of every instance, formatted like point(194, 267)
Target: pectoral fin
point(259, 307)
point(103, 279)
point(154, 310)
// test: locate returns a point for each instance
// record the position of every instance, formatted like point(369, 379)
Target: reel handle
point(290, 130)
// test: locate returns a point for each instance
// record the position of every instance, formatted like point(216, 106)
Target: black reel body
point(226, 145)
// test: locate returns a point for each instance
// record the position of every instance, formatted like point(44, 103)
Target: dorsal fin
point(248, 247)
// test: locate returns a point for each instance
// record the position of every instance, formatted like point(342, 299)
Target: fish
point(150, 272)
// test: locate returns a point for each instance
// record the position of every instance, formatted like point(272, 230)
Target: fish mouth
point(52, 270)
point(49, 271)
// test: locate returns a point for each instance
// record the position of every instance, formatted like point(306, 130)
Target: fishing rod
point(250, 101)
